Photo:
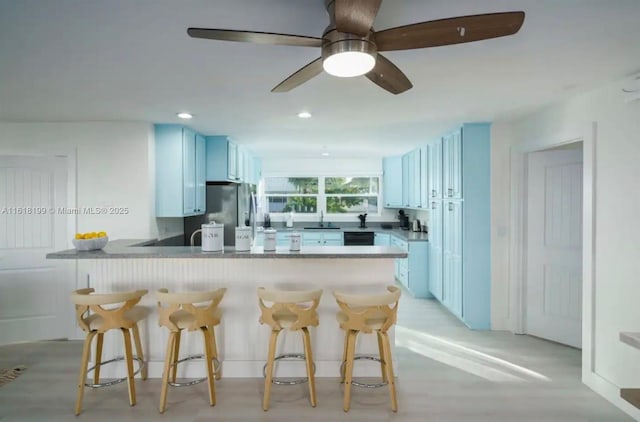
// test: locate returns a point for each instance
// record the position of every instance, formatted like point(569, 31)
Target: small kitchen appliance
point(404, 220)
point(269, 239)
point(416, 227)
point(363, 220)
point(243, 239)
point(212, 237)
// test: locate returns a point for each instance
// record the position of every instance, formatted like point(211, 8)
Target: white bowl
point(90, 244)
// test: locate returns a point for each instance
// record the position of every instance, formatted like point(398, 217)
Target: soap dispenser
point(290, 219)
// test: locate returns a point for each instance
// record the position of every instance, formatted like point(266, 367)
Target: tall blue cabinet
point(460, 224)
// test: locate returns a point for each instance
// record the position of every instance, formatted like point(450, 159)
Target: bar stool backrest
point(114, 317)
point(299, 305)
point(362, 308)
point(170, 305)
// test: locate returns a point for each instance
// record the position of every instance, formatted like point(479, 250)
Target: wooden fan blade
point(387, 76)
point(309, 71)
point(254, 37)
point(449, 31)
point(356, 16)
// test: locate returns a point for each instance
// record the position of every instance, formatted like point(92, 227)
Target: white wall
point(113, 167)
point(328, 167)
point(617, 250)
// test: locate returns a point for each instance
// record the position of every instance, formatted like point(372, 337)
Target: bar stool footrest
point(364, 384)
point(141, 364)
point(288, 381)
point(216, 369)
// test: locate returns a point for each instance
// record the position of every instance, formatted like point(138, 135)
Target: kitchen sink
point(321, 228)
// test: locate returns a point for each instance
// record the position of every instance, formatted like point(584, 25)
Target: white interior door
point(34, 291)
point(554, 246)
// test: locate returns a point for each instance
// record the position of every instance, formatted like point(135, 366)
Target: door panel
point(200, 173)
point(435, 250)
point(189, 171)
point(34, 291)
point(554, 246)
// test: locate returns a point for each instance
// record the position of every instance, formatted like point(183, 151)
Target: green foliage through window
point(342, 195)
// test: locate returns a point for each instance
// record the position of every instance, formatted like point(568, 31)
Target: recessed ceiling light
point(325, 154)
point(184, 115)
point(304, 115)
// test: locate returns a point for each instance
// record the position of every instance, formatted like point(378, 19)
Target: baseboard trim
point(610, 392)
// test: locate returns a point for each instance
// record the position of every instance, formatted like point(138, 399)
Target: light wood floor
point(447, 373)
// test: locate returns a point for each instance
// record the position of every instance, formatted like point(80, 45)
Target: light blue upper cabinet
point(406, 189)
point(392, 182)
point(179, 171)
point(415, 199)
point(435, 169)
point(424, 177)
point(228, 162)
point(222, 159)
point(201, 173)
point(452, 165)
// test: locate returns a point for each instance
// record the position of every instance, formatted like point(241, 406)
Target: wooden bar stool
point(368, 313)
point(179, 311)
point(291, 310)
point(100, 320)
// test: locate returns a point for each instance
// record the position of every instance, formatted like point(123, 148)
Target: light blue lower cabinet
point(283, 238)
point(381, 239)
point(412, 272)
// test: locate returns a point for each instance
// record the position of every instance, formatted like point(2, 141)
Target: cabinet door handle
point(450, 192)
point(433, 193)
point(450, 206)
point(433, 205)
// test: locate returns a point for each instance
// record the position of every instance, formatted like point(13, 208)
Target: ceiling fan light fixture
point(349, 64)
point(346, 58)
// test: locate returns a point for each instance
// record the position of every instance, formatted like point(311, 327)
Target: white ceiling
point(77, 60)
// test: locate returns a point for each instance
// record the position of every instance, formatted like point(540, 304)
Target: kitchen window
point(331, 195)
point(298, 194)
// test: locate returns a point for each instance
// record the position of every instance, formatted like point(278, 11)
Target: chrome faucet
point(321, 219)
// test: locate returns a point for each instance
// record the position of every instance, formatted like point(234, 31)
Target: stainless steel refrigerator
point(227, 203)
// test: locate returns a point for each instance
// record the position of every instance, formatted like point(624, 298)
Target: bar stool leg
point(348, 373)
point(165, 374)
point(344, 355)
point(214, 349)
point(309, 361)
point(206, 338)
point(269, 375)
point(176, 356)
point(96, 372)
point(128, 357)
point(383, 361)
point(390, 375)
point(138, 343)
point(86, 351)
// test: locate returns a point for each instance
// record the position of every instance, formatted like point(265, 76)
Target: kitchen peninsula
point(125, 265)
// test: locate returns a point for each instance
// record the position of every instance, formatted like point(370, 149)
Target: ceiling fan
point(350, 46)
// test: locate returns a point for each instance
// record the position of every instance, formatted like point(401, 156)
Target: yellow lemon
point(102, 234)
point(79, 236)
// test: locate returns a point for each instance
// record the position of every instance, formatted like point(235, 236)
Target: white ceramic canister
point(243, 239)
point(269, 239)
point(212, 237)
point(294, 244)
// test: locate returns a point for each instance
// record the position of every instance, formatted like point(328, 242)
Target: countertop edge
point(129, 249)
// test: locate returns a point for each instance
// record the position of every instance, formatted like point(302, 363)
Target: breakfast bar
point(125, 265)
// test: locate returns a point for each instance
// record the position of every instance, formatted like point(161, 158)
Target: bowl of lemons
point(91, 241)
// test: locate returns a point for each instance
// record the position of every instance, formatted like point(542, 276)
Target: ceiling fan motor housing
point(334, 42)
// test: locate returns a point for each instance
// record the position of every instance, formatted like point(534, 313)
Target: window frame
point(322, 197)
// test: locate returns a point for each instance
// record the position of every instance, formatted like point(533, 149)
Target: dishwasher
point(358, 238)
